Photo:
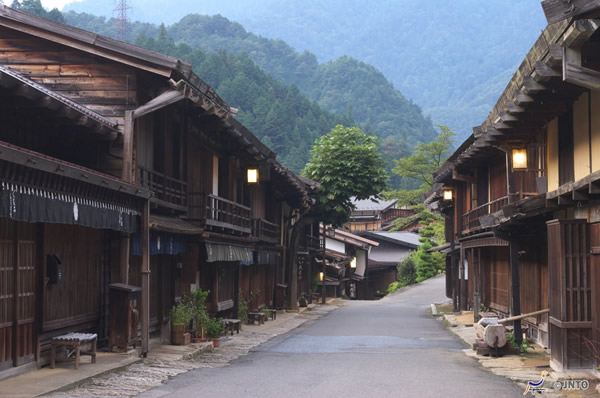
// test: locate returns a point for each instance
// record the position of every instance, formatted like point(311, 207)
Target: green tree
point(426, 159)
point(346, 163)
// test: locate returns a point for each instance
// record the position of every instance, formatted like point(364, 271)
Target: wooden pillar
point(236, 290)
point(127, 167)
point(323, 286)
point(476, 258)
point(124, 258)
point(145, 238)
point(516, 288)
point(462, 295)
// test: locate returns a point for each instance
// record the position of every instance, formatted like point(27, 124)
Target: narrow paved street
point(387, 348)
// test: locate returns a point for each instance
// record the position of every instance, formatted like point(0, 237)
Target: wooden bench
point(273, 312)
point(256, 317)
point(231, 325)
point(73, 342)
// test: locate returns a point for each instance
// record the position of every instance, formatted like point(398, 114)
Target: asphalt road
point(386, 348)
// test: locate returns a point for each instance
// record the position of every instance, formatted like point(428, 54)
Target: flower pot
point(200, 340)
point(216, 342)
point(178, 335)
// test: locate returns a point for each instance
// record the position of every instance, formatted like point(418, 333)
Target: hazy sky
point(50, 4)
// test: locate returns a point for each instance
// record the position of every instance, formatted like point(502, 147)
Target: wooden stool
point(256, 317)
point(73, 341)
point(273, 312)
point(231, 325)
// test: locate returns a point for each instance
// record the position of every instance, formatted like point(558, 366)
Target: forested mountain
point(453, 58)
point(279, 114)
point(344, 86)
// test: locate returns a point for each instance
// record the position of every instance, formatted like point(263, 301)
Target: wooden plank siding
point(570, 293)
point(18, 288)
point(74, 303)
point(104, 86)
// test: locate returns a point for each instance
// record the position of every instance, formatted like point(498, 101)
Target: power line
point(121, 19)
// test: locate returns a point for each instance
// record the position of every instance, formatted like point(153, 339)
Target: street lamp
point(353, 262)
point(321, 276)
point(447, 194)
point(252, 176)
point(519, 158)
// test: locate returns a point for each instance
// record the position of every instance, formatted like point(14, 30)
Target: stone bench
point(73, 341)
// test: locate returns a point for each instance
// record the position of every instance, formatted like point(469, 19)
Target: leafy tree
point(346, 163)
point(407, 271)
point(15, 4)
point(426, 159)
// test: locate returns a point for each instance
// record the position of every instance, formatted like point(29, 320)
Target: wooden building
point(60, 215)
point(375, 215)
point(384, 259)
point(523, 219)
point(346, 270)
point(126, 167)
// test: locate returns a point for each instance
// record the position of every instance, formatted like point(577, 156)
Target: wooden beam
point(559, 10)
point(522, 99)
point(544, 73)
point(531, 86)
point(579, 32)
point(165, 99)
point(594, 188)
point(582, 76)
point(507, 118)
point(514, 109)
point(555, 55)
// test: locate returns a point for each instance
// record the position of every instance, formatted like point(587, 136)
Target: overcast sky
point(50, 4)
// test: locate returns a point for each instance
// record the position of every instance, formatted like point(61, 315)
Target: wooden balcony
point(219, 213)
point(314, 243)
point(470, 220)
point(168, 191)
point(265, 231)
point(526, 184)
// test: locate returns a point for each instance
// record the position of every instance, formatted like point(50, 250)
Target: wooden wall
point(104, 86)
point(570, 294)
point(595, 127)
point(497, 179)
point(552, 154)
point(75, 302)
point(19, 271)
point(581, 137)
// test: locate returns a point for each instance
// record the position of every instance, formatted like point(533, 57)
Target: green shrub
point(242, 309)
point(393, 287)
point(214, 328)
point(407, 271)
point(181, 314)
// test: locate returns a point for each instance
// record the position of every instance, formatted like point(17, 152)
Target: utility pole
point(121, 18)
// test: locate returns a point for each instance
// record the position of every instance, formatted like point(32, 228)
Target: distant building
point(383, 259)
point(375, 214)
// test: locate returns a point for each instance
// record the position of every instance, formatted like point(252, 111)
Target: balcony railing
point(470, 220)
point(165, 188)
point(265, 231)
point(526, 184)
point(314, 243)
point(219, 212)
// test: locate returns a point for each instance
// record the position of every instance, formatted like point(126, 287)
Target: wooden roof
point(535, 95)
point(27, 88)
point(108, 48)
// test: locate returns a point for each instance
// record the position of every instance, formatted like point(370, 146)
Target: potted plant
point(197, 304)
point(214, 329)
point(180, 320)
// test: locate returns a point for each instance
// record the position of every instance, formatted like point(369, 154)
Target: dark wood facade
point(153, 166)
point(523, 239)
